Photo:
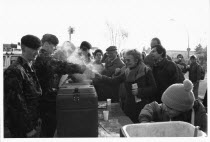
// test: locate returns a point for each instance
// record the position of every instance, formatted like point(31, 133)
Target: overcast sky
point(142, 19)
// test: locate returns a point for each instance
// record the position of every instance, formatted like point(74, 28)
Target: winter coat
point(105, 91)
point(155, 112)
point(142, 75)
point(194, 72)
point(21, 94)
point(181, 65)
point(165, 73)
point(110, 66)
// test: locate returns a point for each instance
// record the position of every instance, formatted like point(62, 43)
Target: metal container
point(77, 111)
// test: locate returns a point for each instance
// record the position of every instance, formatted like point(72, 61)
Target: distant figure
point(181, 63)
point(165, 71)
point(85, 52)
point(194, 74)
point(97, 63)
point(179, 104)
point(148, 59)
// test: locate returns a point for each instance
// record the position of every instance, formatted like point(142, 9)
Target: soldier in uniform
point(46, 66)
point(21, 92)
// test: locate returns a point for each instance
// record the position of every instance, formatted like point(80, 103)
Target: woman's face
point(98, 56)
point(171, 112)
point(130, 61)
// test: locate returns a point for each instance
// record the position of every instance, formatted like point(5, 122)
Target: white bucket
point(162, 129)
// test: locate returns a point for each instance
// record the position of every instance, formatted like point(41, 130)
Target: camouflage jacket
point(46, 67)
point(21, 93)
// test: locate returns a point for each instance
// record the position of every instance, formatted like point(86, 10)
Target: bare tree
point(116, 35)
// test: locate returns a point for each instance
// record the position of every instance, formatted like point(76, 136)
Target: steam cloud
point(68, 52)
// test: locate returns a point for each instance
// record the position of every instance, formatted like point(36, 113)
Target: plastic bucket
point(161, 129)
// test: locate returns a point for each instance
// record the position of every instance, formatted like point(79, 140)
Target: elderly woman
point(139, 84)
point(179, 104)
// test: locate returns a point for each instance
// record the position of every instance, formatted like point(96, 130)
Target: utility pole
point(71, 31)
point(188, 38)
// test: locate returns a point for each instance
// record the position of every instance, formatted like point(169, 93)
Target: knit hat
point(179, 96)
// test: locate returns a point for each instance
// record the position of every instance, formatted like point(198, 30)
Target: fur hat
point(179, 96)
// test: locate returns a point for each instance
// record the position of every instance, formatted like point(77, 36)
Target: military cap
point(111, 48)
point(31, 41)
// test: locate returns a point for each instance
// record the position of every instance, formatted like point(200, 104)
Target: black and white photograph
point(108, 69)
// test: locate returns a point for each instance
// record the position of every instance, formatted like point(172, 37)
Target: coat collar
point(25, 64)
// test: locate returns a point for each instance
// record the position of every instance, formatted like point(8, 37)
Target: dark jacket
point(106, 90)
point(181, 65)
point(21, 93)
point(110, 66)
point(165, 73)
point(46, 66)
point(155, 112)
point(146, 90)
point(194, 72)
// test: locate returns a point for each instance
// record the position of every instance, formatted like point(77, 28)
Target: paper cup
point(106, 115)
point(108, 102)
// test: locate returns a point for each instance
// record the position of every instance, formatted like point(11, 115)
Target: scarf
point(137, 72)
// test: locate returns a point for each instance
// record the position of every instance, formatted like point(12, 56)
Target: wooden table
point(117, 119)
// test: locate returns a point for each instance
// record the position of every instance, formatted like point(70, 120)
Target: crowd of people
point(149, 88)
